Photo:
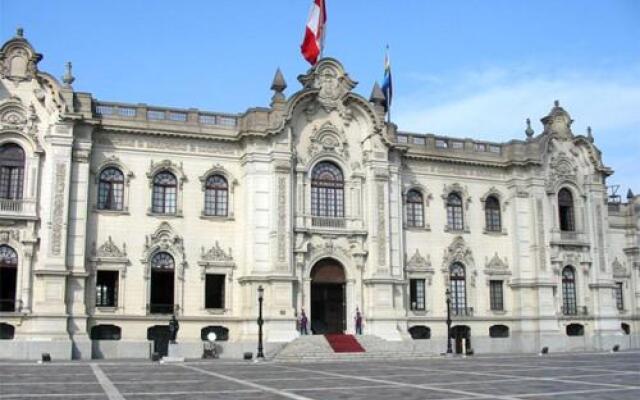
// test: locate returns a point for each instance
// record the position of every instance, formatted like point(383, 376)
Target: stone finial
point(558, 122)
point(589, 134)
point(529, 132)
point(279, 84)
point(630, 195)
point(556, 103)
point(19, 32)
point(377, 97)
point(68, 77)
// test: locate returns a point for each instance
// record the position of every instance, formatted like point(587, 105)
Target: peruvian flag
point(314, 33)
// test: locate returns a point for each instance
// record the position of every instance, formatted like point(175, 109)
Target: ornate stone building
point(114, 216)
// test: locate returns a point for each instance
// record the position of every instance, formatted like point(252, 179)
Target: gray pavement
point(555, 376)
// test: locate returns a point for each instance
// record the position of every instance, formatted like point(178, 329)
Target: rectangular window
point(441, 144)
point(619, 296)
point(214, 291)
point(416, 295)
point(495, 293)
point(107, 289)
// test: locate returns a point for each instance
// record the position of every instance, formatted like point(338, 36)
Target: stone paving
point(554, 376)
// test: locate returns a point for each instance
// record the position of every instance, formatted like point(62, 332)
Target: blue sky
point(461, 68)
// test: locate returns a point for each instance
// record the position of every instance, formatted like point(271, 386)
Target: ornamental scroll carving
point(459, 252)
point(331, 82)
point(109, 250)
point(418, 262)
point(58, 209)
point(18, 60)
point(167, 240)
point(328, 139)
point(619, 270)
point(561, 169)
point(216, 254)
point(496, 266)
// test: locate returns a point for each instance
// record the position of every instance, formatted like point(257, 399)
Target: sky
point(461, 68)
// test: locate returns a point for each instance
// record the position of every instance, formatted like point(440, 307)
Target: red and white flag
point(314, 33)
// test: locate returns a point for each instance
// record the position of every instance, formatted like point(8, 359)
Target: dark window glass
point(499, 331)
point(565, 209)
point(11, 171)
point(454, 212)
point(327, 190)
point(107, 289)
point(415, 212)
point(164, 193)
point(492, 214)
point(420, 332)
point(575, 330)
point(569, 306)
point(111, 189)
point(8, 276)
point(619, 295)
point(216, 196)
point(162, 284)
point(495, 291)
point(7, 332)
point(416, 289)
point(214, 291)
point(106, 332)
point(626, 329)
point(458, 289)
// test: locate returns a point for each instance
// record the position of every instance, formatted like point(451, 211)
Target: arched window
point(8, 275)
point(216, 196)
point(415, 210)
point(162, 283)
point(498, 331)
point(11, 171)
point(327, 190)
point(492, 214)
point(420, 332)
point(565, 210)
point(575, 330)
point(164, 193)
point(111, 189)
point(105, 332)
point(569, 306)
point(457, 283)
point(454, 212)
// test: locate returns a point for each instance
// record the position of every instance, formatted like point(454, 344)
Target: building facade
point(115, 216)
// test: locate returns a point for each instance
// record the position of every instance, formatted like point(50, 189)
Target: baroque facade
point(115, 216)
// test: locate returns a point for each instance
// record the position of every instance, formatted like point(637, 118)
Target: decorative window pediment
point(619, 270)
point(328, 139)
point(496, 266)
point(561, 169)
point(460, 190)
point(216, 260)
point(419, 263)
point(164, 239)
point(18, 60)
point(458, 252)
point(110, 252)
point(167, 165)
point(166, 201)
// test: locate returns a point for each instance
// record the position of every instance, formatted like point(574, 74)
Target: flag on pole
point(387, 84)
point(314, 33)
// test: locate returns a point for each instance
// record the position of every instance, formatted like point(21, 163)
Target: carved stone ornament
point(619, 271)
point(9, 235)
point(109, 250)
point(166, 165)
point(216, 254)
point(328, 138)
point(458, 251)
point(419, 263)
point(457, 188)
point(331, 81)
point(164, 239)
point(496, 266)
point(561, 169)
point(18, 60)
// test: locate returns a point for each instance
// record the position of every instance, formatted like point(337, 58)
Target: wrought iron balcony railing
point(575, 310)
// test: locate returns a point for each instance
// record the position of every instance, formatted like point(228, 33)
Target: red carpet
point(344, 343)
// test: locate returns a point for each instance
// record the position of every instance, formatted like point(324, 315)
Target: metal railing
point(328, 222)
point(17, 207)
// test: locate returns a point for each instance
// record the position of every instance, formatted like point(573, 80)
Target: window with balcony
point(416, 294)
point(216, 196)
point(214, 291)
point(12, 161)
point(492, 214)
point(327, 191)
point(111, 189)
point(107, 289)
point(566, 211)
point(8, 275)
point(619, 295)
point(162, 284)
point(164, 193)
point(569, 304)
point(458, 287)
point(415, 209)
point(496, 295)
point(454, 212)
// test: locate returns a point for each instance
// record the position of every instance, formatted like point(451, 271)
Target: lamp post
point(260, 322)
point(448, 294)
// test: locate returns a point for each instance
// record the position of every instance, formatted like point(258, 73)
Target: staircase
point(316, 348)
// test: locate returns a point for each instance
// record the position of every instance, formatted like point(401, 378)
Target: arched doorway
point(458, 333)
point(328, 299)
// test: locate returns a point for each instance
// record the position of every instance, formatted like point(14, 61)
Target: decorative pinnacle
point(589, 134)
point(68, 77)
point(630, 195)
point(529, 132)
point(556, 103)
point(279, 84)
point(19, 32)
point(377, 97)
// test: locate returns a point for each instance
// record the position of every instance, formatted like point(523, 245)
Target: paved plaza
point(557, 376)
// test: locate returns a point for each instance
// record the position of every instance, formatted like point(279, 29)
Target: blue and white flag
point(387, 85)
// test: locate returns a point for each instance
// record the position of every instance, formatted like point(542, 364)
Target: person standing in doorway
point(303, 323)
point(358, 319)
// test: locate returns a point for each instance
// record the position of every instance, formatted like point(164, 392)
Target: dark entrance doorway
point(328, 300)
point(162, 283)
point(160, 336)
point(458, 333)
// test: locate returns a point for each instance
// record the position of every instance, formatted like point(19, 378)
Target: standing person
point(358, 319)
point(303, 323)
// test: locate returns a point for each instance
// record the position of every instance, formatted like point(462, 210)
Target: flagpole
point(390, 88)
